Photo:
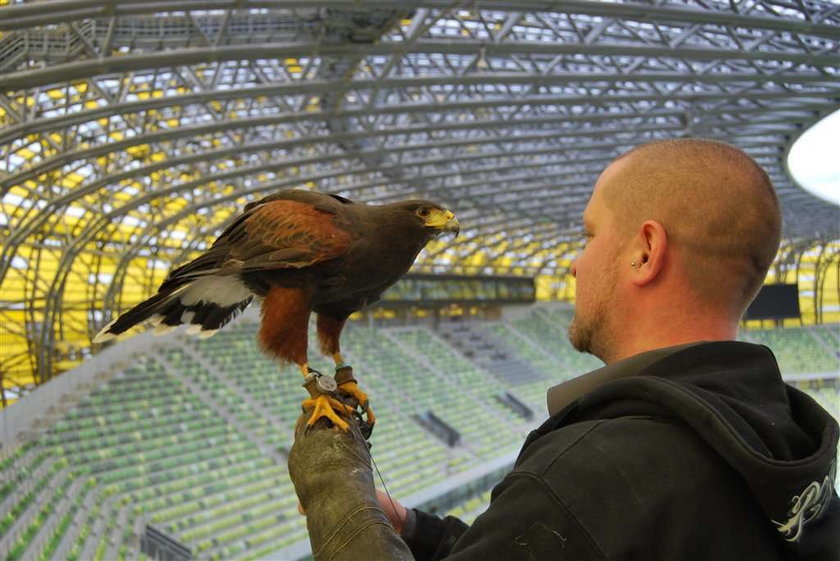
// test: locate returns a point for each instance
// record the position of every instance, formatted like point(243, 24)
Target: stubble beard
point(592, 335)
point(584, 335)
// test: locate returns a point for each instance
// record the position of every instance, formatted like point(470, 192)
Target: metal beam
point(507, 48)
point(24, 229)
point(803, 101)
point(18, 16)
point(63, 158)
point(204, 55)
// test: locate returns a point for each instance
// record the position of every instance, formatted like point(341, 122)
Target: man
point(686, 445)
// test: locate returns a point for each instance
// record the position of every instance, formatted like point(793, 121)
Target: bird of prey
point(301, 252)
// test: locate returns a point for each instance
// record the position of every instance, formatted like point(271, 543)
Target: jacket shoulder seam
point(581, 437)
point(571, 445)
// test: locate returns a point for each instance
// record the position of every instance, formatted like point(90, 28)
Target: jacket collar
point(564, 394)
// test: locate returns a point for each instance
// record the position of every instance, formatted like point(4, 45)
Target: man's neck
point(668, 332)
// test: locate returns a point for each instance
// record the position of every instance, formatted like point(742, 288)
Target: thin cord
point(358, 432)
point(382, 479)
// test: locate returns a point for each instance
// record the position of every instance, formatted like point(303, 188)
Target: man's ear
point(649, 252)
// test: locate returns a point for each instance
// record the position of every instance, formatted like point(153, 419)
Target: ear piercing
point(633, 264)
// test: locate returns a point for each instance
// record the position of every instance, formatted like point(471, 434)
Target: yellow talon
point(325, 406)
point(351, 388)
point(371, 418)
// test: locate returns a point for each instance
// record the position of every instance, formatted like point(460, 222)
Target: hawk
point(300, 252)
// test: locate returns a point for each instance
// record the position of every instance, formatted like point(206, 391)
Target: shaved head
point(716, 204)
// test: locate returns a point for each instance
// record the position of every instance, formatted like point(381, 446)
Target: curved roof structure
point(131, 132)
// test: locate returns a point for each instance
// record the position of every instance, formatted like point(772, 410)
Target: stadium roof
point(131, 132)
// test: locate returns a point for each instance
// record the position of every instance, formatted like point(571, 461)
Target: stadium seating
point(194, 438)
point(548, 330)
point(469, 510)
point(829, 335)
point(798, 350)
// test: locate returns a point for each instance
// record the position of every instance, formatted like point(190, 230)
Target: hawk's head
point(432, 217)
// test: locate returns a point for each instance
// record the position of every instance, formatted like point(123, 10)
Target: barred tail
point(206, 304)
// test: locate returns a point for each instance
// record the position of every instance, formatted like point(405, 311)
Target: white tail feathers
point(215, 300)
point(164, 329)
point(102, 337)
point(155, 320)
point(103, 334)
point(196, 329)
point(222, 291)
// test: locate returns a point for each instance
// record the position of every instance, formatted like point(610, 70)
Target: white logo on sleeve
point(807, 506)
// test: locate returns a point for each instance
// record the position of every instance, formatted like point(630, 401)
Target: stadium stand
point(799, 350)
point(193, 438)
point(469, 510)
point(829, 335)
point(548, 327)
point(492, 353)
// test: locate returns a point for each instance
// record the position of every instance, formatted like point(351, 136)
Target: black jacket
point(693, 452)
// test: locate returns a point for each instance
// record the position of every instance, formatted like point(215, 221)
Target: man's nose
point(573, 270)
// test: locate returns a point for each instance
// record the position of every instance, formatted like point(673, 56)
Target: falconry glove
point(331, 472)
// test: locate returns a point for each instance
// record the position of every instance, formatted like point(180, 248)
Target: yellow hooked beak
point(444, 220)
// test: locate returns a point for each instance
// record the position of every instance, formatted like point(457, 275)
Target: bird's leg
point(348, 384)
point(320, 389)
point(329, 328)
point(320, 402)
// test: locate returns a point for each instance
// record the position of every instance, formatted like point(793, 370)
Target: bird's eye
point(423, 212)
